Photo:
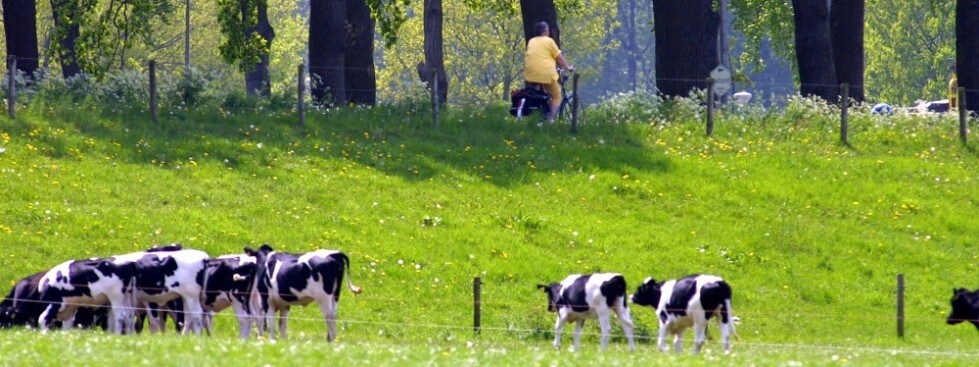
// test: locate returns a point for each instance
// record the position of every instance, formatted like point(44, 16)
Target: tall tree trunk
point(814, 49)
point(967, 50)
point(686, 44)
point(434, 56)
point(20, 32)
point(847, 23)
point(66, 15)
point(327, 37)
point(536, 11)
point(361, 82)
point(257, 79)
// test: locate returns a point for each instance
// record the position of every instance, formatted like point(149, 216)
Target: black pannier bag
point(525, 101)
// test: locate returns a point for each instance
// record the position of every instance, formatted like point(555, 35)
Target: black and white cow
point(287, 280)
point(86, 283)
point(581, 297)
point(162, 276)
point(690, 301)
point(23, 305)
point(231, 283)
point(965, 307)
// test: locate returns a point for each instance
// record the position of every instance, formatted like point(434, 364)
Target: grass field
point(810, 233)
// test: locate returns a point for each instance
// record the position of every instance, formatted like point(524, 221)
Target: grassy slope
point(810, 233)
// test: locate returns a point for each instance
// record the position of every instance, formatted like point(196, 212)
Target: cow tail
point(726, 315)
point(204, 316)
point(350, 284)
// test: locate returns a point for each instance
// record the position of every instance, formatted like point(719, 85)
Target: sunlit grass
point(810, 233)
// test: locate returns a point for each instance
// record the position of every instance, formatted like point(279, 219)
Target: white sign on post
point(722, 80)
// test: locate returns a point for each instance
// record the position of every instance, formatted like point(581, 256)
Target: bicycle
point(566, 98)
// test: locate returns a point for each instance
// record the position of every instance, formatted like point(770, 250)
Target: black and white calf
point(287, 280)
point(86, 283)
point(23, 305)
point(690, 301)
point(965, 307)
point(581, 297)
point(231, 283)
point(162, 276)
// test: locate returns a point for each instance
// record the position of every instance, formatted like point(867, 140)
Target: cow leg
point(577, 333)
point(627, 325)
point(244, 320)
point(557, 331)
point(726, 336)
point(193, 315)
point(664, 331)
point(699, 335)
point(269, 323)
point(48, 316)
point(678, 341)
point(606, 325)
point(330, 315)
point(119, 312)
point(283, 321)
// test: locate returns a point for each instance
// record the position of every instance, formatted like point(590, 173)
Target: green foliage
point(390, 16)
point(242, 46)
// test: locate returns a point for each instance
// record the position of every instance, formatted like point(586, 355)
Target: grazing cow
point(965, 307)
point(23, 305)
point(86, 283)
point(231, 283)
point(162, 276)
point(581, 297)
point(681, 303)
point(287, 280)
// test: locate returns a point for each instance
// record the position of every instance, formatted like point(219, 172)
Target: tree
point(686, 44)
point(967, 50)
point(327, 38)
point(247, 40)
point(814, 49)
point(846, 23)
point(536, 11)
point(66, 15)
point(434, 57)
point(359, 76)
point(20, 32)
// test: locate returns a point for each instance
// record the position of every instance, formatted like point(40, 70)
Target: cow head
point(6, 316)
point(965, 307)
point(553, 292)
point(648, 293)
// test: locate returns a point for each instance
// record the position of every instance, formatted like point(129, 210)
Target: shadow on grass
point(399, 141)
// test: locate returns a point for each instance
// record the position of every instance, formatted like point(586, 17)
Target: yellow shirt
point(540, 65)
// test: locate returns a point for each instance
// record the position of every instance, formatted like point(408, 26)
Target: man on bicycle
point(540, 66)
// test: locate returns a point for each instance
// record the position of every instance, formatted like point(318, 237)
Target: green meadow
point(811, 233)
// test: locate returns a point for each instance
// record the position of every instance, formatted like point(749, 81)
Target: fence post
point(476, 305)
point(710, 106)
point(435, 98)
point(301, 94)
point(12, 86)
point(963, 117)
point(900, 305)
point(574, 103)
point(154, 114)
point(844, 107)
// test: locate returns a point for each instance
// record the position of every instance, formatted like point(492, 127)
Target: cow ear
point(542, 287)
point(266, 248)
point(249, 251)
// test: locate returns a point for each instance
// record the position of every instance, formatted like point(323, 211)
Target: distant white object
point(742, 97)
point(722, 80)
point(882, 109)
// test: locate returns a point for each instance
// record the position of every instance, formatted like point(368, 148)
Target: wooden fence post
point(12, 86)
point(844, 109)
point(476, 305)
point(710, 106)
point(963, 117)
point(301, 94)
point(154, 113)
point(900, 305)
point(574, 103)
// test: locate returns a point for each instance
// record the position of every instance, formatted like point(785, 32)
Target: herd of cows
point(121, 293)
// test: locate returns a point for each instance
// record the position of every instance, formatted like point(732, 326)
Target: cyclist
point(540, 65)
